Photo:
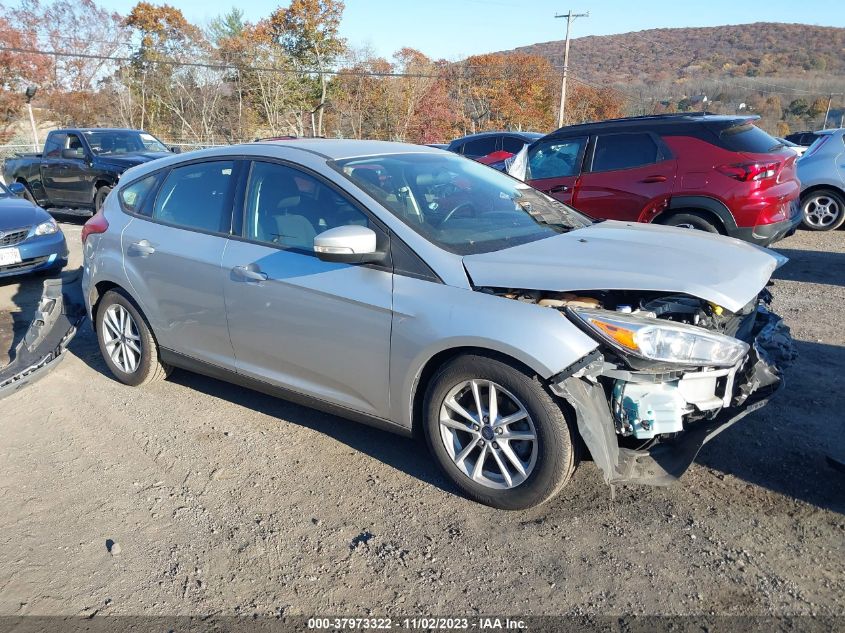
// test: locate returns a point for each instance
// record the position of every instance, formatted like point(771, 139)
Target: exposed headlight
point(662, 341)
point(47, 228)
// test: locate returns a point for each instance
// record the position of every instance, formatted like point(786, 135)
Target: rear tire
point(100, 197)
point(524, 462)
point(126, 341)
point(823, 210)
point(692, 220)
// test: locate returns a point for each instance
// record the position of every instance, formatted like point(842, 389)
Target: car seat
point(278, 217)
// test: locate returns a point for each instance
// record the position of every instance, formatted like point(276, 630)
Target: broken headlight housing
point(661, 341)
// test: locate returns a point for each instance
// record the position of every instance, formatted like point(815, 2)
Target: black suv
point(479, 146)
point(805, 139)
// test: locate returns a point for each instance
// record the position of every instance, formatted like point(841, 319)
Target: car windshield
point(458, 204)
point(5, 193)
point(106, 142)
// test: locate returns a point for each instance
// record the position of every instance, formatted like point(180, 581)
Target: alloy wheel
point(822, 211)
point(121, 338)
point(489, 434)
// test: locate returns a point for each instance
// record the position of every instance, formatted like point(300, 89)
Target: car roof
point(649, 122)
point(830, 131)
point(99, 129)
point(337, 149)
point(498, 133)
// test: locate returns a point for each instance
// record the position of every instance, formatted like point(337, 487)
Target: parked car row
point(493, 319)
point(720, 174)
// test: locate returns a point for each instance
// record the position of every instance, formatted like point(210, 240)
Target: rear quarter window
point(134, 196)
point(747, 137)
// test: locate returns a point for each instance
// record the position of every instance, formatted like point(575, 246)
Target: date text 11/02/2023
point(423, 623)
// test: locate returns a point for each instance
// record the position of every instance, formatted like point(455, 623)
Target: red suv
point(715, 173)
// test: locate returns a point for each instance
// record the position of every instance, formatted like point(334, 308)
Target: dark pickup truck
point(79, 166)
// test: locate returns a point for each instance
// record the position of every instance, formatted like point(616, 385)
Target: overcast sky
point(453, 29)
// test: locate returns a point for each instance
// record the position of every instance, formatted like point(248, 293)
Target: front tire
point(823, 210)
point(126, 341)
point(497, 433)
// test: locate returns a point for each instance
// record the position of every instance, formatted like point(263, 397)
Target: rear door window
point(198, 196)
point(513, 144)
point(54, 146)
point(556, 158)
point(479, 147)
point(133, 197)
point(624, 151)
point(747, 137)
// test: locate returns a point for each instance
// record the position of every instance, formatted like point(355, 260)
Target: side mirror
point(175, 149)
point(73, 154)
point(350, 244)
point(17, 189)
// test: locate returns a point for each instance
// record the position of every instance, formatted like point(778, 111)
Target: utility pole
point(827, 114)
point(569, 17)
point(30, 95)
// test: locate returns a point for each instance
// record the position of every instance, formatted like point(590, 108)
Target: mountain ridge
point(759, 49)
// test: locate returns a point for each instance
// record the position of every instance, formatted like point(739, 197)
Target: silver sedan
point(413, 289)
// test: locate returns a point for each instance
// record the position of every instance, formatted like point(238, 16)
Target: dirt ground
point(196, 497)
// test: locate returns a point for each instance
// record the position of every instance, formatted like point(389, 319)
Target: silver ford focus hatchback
point(413, 289)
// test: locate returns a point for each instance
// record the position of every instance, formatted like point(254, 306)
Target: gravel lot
point(215, 499)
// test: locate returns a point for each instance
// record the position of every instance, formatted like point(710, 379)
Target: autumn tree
point(87, 35)
point(817, 108)
point(165, 92)
point(589, 103)
point(799, 107)
point(308, 31)
point(498, 91)
point(18, 70)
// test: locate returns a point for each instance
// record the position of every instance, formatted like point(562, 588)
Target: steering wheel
point(461, 206)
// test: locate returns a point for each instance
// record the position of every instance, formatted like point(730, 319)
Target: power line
point(222, 66)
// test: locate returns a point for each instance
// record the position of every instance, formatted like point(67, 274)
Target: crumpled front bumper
point(60, 313)
point(758, 378)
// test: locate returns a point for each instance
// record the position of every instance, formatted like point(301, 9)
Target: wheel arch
point(819, 187)
point(716, 209)
point(99, 289)
point(441, 358)
point(103, 180)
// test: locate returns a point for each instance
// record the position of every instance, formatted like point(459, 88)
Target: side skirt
point(182, 361)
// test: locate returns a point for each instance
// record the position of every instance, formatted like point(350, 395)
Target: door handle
point(654, 179)
point(559, 189)
point(142, 248)
point(249, 273)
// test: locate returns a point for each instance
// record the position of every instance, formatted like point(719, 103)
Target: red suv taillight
point(97, 224)
point(746, 172)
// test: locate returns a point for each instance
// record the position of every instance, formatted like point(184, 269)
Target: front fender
point(430, 318)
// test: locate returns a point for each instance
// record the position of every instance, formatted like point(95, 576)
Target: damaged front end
point(672, 372)
point(60, 312)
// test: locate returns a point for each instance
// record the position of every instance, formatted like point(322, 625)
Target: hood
point(125, 161)
point(631, 256)
point(17, 214)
